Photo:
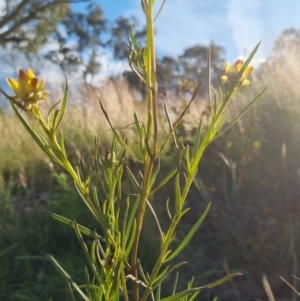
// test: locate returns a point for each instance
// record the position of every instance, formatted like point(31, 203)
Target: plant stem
point(140, 217)
point(152, 110)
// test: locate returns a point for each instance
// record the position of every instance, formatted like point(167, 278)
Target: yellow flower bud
point(28, 90)
point(231, 73)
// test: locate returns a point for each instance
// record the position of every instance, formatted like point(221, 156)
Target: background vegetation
point(251, 175)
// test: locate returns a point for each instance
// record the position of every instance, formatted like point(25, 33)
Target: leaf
point(62, 144)
point(189, 236)
point(88, 257)
point(175, 284)
point(160, 9)
point(87, 282)
point(157, 294)
point(116, 134)
point(241, 114)
point(132, 215)
point(154, 175)
point(249, 59)
point(124, 224)
point(8, 249)
point(172, 134)
point(41, 142)
point(68, 278)
point(175, 124)
point(187, 157)
point(197, 140)
point(99, 217)
point(131, 240)
point(63, 106)
point(133, 180)
point(177, 196)
point(165, 180)
point(71, 292)
point(156, 220)
point(137, 124)
point(191, 291)
point(149, 125)
point(82, 229)
point(166, 273)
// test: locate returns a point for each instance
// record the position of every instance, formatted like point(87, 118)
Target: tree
point(120, 32)
point(182, 74)
point(28, 25)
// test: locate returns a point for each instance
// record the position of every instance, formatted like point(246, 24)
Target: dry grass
point(84, 120)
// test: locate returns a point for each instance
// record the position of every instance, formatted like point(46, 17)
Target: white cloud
point(183, 23)
point(246, 26)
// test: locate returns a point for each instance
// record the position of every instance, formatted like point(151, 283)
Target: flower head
point(28, 90)
point(231, 73)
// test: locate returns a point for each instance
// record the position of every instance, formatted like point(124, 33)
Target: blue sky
point(237, 25)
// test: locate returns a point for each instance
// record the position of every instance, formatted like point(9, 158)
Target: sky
point(236, 25)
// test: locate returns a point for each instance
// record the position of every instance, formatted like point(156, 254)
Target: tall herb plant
point(113, 269)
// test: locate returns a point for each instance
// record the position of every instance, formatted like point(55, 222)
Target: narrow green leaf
point(154, 175)
point(241, 114)
point(157, 294)
point(189, 236)
point(88, 257)
point(149, 125)
point(52, 109)
point(124, 224)
point(249, 59)
point(62, 144)
point(177, 196)
point(41, 143)
point(175, 284)
point(68, 278)
point(99, 217)
point(197, 140)
point(167, 273)
point(133, 180)
point(8, 249)
point(63, 106)
point(168, 209)
point(87, 282)
point(71, 292)
point(116, 134)
point(159, 277)
point(131, 240)
point(137, 123)
point(187, 157)
point(144, 276)
point(52, 117)
point(222, 280)
point(160, 9)
point(167, 178)
point(132, 215)
point(191, 291)
point(156, 219)
point(96, 200)
point(194, 296)
point(172, 130)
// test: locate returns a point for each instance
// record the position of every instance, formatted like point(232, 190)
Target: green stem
point(161, 256)
point(140, 218)
point(152, 109)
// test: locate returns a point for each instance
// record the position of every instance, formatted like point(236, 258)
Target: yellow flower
point(232, 72)
point(28, 90)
